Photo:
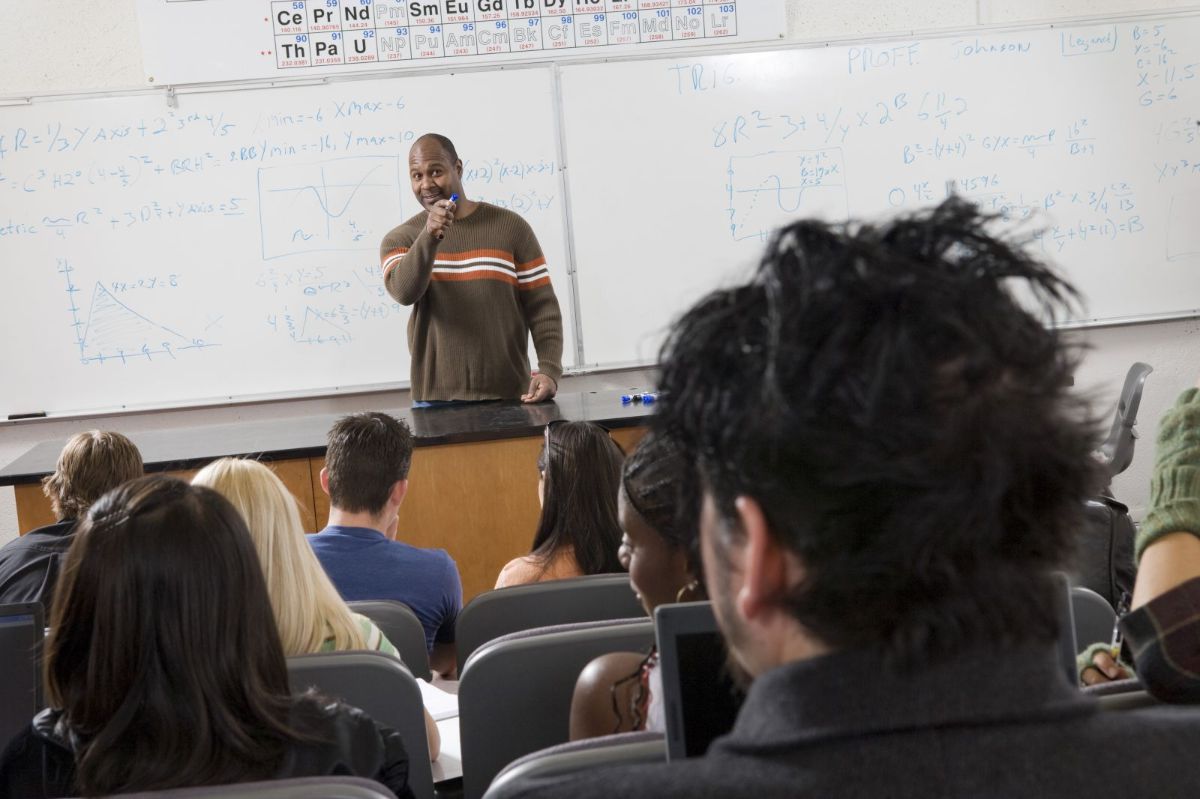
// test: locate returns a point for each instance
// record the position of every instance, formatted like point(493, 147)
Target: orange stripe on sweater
point(534, 264)
point(466, 255)
point(453, 277)
point(392, 254)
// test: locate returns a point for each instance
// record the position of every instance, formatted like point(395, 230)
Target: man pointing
point(478, 283)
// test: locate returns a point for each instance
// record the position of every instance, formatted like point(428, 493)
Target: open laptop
point(700, 700)
point(21, 630)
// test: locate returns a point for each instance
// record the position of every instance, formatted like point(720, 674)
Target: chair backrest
point(21, 627)
point(1117, 449)
point(514, 696)
point(610, 750)
point(298, 788)
point(1094, 617)
point(524, 607)
point(383, 688)
point(402, 628)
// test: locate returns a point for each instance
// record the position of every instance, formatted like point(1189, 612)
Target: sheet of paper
point(440, 703)
point(448, 766)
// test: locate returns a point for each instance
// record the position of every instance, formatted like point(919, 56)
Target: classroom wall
point(99, 49)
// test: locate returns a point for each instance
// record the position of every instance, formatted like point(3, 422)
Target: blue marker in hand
point(453, 199)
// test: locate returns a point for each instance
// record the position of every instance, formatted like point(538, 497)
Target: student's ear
point(399, 491)
point(765, 563)
point(325, 480)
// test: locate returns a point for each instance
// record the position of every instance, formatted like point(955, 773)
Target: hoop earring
point(691, 587)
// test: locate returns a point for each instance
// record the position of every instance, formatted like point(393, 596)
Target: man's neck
point(342, 518)
point(466, 208)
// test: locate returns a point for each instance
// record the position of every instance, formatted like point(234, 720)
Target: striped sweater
point(477, 296)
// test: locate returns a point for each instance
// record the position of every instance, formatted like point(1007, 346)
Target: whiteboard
point(1089, 133)
point(228, 248)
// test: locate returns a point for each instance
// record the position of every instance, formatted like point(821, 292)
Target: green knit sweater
point(477, 296)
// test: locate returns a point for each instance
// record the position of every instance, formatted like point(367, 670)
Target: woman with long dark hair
point(578, 533)
point(164, 669)
point(622, 691)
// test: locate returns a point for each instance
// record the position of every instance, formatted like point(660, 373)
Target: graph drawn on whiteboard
point(110, 331)
point(338, 204)
point(768, 189)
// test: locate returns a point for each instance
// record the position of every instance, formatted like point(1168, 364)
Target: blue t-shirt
point(364, 564)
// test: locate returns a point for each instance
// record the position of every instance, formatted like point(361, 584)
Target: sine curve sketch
point(767, 189)
point(336, 204)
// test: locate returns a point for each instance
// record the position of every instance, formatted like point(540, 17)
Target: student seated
point(891, 465)
point(89, 465)
point(622, 691)
point(366, 477)
point(1163, 629)
point(310, 615)
point(164, 668)
point(579, 470)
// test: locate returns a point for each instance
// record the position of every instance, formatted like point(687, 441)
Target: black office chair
point(514, 696)
point(524, 607)
point(380, 686)
point(402, 627)
point(1117, 449)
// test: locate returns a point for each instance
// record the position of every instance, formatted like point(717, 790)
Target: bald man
point(478, 283)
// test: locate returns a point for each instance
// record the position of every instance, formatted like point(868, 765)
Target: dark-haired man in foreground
point(366, 477)
point(891, 466)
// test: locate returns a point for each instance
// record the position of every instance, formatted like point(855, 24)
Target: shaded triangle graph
point(113, 331)
point(316, 329)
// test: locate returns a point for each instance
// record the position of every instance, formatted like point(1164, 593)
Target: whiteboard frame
point(555, 67)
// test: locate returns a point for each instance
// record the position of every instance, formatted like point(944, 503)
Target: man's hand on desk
point(541, 388)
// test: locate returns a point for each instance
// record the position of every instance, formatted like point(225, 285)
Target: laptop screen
point(700, 700)
point(21, 630)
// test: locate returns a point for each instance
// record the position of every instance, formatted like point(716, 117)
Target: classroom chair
point(1093, 617)
point(298, 788)
point(514, 695)
point(383, 688)
point(402, 627)
point(1117, 450)
point(621, 749)
point(523, 607)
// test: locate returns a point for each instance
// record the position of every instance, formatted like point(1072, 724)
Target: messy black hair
point(895, 397)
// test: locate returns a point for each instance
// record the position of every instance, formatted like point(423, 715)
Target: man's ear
point(325, 480)
point(399, 491)
point(764, 563)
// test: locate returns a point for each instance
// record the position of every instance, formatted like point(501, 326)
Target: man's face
point(723, 585)
point(434, 176)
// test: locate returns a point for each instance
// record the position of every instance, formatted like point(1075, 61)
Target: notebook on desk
point(21, 630)
point(700, 700)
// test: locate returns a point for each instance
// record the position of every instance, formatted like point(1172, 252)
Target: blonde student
point(310, 614)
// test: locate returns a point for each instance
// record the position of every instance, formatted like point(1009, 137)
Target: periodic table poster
point(200, 41)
